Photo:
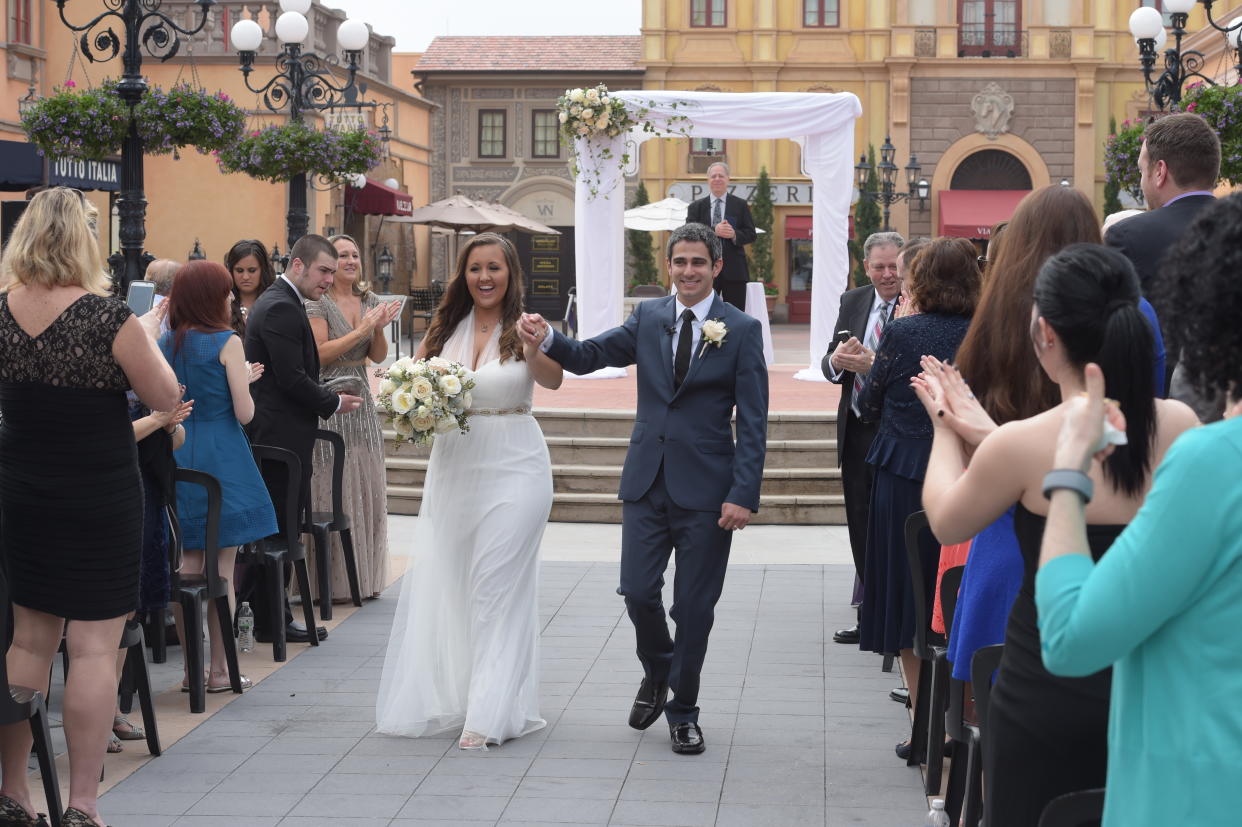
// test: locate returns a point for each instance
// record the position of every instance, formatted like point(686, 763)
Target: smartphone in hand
point(140, 297)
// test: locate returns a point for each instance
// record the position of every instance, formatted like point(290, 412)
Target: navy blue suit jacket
point(688, 429)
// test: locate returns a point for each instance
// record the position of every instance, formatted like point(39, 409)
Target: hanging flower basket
point(1121, 153)
point(185, 116)
point(278, 153)
point(1221, 107)
point(88, 124)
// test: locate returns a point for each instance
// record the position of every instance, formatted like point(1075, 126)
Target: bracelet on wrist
point(1070, 479)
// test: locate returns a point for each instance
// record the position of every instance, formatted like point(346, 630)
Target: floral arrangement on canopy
point(593, 112)
point(93, 123)
point(1220, 105)
point(278, 153)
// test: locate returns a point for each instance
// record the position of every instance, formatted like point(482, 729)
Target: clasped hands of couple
point(532, 328)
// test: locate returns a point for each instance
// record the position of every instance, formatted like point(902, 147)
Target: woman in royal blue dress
point(208, 359)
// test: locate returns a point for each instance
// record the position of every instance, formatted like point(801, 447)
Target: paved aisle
point(799, 730)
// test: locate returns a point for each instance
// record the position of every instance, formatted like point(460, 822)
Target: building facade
point(188, 197)
point(992, 97)
point(496, 137)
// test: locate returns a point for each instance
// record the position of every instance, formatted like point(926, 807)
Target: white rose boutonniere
point(714, 333)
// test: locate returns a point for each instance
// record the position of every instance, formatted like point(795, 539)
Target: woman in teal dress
point(1165, 605)
point(208, 359)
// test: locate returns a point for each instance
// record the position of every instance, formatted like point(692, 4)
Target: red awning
point(799, 227)
point(377, 199)
point(971, 213)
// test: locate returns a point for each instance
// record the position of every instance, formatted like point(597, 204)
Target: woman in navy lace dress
point(943, 285)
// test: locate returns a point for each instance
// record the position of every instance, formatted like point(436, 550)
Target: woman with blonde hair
point(350, 327)
point(69, 483)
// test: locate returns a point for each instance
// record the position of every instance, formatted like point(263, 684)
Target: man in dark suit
point(1178, 167)
point(288, 399)
point(685, 484)
point(861, 319)
point(729, 217)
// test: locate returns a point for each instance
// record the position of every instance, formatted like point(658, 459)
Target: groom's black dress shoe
point(849, 635)
point(295, 632)
point(687, 738)
point(648, 703)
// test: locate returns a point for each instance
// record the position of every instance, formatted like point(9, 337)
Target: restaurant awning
point(971, 213)
point(799, 227)
point(21, 168)
point(377, 199)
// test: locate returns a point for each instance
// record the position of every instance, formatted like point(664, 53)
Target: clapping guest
point(251, 271)
point(1164, 605)
point(943, 285)
point(209, 361)
point(1045, 735)
point(350, 326)
point(69, 483)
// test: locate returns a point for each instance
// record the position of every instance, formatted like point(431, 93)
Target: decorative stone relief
point(556, 171)
point(993, 107)
point(482, 193)
point(820, 87)
point(457, 115)
point(550, 92)
point(491, 94)
point(484, 173)
point(1060, 44)
point(925, 43)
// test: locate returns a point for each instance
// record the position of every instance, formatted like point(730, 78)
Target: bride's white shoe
point(472, 740)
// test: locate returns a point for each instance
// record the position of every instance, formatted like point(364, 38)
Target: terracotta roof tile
point(532, 54)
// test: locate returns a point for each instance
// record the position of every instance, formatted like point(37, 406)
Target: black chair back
point(985, 661)
point(916, 524)
point(211, 551)
point(950, 583)
point(1076, 809)
point(338, 469)
point(292, 529)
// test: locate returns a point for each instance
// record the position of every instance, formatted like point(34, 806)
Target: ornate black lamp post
point(916, 186)
point(304, 81)
point(143, 26)
point(1233, 34)
point(1147, 26)
point(383, 269)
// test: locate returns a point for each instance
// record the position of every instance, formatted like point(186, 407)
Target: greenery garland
point(278, 153)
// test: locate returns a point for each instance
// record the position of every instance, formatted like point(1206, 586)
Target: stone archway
point(969, 145)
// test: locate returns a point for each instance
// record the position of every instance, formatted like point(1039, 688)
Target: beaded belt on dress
point(522, 411)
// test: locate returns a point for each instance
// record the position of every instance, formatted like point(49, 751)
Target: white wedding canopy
point(822, 124)
point(668, 214)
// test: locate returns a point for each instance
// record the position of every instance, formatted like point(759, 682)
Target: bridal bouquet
point(425, 398)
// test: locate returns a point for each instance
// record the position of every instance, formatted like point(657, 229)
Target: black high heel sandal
point(12, 813)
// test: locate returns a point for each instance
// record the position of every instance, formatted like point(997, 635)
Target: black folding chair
point(22, 703)
point(192, 591)
point(136, 680)
point(323, 523)
point(931, 651)
point(1075, 809)
point(286, 547)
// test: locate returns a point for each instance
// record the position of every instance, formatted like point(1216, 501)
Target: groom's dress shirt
point(700, 312)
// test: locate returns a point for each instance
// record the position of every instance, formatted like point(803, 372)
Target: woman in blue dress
point(208, 359)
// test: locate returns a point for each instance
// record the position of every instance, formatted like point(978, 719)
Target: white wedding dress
point(464, 648)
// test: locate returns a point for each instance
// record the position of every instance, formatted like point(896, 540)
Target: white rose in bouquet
point(467, 399)
point(403, 427)
point(563, 117)
point(424, 422)
point(439, 364)
point(405, 363)
point(592, 95)
point(387, 387)
point(602, 121)
point(587, 114)
point(450, 384)
point(421, 387)
point(402, 402)
point(445, 424)
point(576, 95)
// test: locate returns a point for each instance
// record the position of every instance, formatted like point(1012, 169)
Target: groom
point(685, 485)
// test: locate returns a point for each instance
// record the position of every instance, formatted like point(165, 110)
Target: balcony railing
point(991, 41)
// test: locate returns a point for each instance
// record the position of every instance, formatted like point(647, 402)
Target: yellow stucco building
point(189, 198)
point(988, 95)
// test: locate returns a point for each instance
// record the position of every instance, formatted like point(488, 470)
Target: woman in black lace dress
point(943, 284)
point(69, 483)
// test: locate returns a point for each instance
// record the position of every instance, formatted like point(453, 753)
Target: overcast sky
point(415, 22)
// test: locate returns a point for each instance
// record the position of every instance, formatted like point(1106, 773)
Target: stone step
point(593, 423)
point(809, 509)
point(606, 479)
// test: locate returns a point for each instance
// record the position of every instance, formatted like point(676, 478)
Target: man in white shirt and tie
point(860, 323)
point(729, 218)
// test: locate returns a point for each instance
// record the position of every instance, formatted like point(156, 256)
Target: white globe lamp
point(246, 36)
point(299, 6)
point(292, 27)
point(392, 183)
point(352, 35)
point(1233, 36)
point(1179, 6)
point(1145, 23)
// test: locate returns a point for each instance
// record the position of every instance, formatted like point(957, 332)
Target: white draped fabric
point(822, 124)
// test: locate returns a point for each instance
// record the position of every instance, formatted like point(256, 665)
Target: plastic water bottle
point(245, 630)
point(937, 817)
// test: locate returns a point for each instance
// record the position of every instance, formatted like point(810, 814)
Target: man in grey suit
point(861, 319)
point(685, 484)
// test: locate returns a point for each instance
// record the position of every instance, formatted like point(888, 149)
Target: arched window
point(991, 169)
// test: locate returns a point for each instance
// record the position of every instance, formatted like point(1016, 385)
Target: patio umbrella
point(520, 222)
point(668, 214)
point(461, 213)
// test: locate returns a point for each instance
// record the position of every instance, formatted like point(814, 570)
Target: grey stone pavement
point(799, 730)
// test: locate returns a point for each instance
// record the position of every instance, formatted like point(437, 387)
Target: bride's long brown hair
point(457, 303)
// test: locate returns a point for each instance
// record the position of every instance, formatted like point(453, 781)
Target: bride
point(464, 646)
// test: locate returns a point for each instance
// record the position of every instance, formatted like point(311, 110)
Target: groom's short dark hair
point(695, 232)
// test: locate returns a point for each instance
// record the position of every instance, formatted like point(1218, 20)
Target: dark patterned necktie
point(716, 212)
point(685, 344)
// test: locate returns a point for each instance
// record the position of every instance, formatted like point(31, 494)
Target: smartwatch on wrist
point(1069, 478)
